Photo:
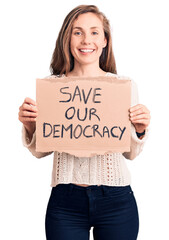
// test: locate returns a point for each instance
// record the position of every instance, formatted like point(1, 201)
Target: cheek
point(100, 43)
point(73, 44)
point(71, 47)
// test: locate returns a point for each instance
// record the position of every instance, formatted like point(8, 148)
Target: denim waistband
point(81, 190)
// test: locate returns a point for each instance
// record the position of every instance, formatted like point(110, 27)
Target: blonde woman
point(89, 192)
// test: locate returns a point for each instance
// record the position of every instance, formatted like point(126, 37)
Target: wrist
point(30, 132)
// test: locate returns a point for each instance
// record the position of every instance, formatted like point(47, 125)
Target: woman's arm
point(31, 143)
point(28, 113)
point(136, 144)
point(140, 119)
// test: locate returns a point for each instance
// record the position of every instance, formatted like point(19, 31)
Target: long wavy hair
point(62, 60)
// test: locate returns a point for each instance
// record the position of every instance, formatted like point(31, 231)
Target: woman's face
point(87, 39)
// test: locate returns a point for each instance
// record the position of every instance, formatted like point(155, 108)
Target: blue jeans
point(72, 210)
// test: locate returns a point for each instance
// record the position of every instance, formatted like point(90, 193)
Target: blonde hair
point(62, 59)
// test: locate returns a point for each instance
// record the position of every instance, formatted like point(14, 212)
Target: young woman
point(89, 192)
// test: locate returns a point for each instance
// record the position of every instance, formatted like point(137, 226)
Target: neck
point(88, 70)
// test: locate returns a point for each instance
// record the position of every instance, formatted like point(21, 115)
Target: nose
point(86, 40)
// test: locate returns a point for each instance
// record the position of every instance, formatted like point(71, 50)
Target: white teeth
point(86, 50)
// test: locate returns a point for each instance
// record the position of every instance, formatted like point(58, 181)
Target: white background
point(140, 41)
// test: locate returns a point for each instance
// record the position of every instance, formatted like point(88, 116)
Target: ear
point(105, 42)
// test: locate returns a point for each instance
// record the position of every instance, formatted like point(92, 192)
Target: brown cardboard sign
point(83, 116)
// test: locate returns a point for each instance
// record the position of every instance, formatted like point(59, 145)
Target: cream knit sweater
point(109, 169)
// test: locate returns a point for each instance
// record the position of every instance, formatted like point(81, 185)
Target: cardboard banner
point(83, 116)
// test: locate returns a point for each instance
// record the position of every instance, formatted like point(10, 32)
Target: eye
point(95, 33)
point(78, 33)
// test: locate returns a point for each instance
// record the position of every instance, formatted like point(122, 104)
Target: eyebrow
point(82, 28)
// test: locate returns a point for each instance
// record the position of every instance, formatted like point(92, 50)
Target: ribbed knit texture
point(109, 169)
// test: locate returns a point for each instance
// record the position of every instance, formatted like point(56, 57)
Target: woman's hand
point(140, 117)
point(27, 115)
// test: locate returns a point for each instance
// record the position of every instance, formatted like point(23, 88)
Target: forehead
point(88, 20)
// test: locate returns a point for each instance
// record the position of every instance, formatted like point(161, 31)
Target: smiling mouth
point(86, 50)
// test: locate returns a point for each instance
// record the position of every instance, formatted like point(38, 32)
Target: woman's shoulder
point(122, 77)
point(118, 76)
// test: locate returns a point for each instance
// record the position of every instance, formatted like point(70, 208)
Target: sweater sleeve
point(31, 145)
point(136, 145)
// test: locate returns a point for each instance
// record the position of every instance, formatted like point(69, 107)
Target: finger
point(136, 107)
point(28, 114)
point(28, 107)
point(142, 121)
point(140, 116)
point(139, 111)
point(27, 119)
point(30, 101)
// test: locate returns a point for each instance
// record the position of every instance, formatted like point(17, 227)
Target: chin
point(88, 60)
